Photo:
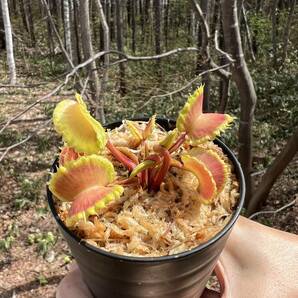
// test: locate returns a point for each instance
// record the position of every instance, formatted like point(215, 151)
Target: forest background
point(134, 58)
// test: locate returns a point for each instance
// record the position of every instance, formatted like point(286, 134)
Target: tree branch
point(248, 35)
point(85, 86)
point(274, 211)
point(23, 86)
point(181, 88)
point(221, 72)
point(87, 62)
point(225, 54)
point(57, 33)
point(203, 19)
point(273, 172)
point(22, 141)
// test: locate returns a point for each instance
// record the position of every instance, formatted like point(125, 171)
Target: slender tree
point(244, 82)
point(88, 52)
point(112, 23)
point(31, 22)
point(287, 30)
point(273, 172)
point(26, 12)
point(8, 42)
point(166, 22)
point(146, 37)
point(13, 8)
point(108, 14)
point(248, 34)
point(224, 84)
point(157, 31)
point(67, 28)
point(119, 22)
point(205, 56)
point(50, 39)
point(189, 24)
point(142, 19)
point(274, 30)
point(106, 41)
point(2, 31)
point(133, 25)
point(58, 11)
point(76, 32)
point(24, 15)
point(73, 30)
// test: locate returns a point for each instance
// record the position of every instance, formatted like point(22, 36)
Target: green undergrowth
point(30, 191)
point(11, 235)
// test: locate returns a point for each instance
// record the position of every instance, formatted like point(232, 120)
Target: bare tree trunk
point(76, 33)
point(146, 9)
point(248, 35)
point(157, 32)
point(108, 15)
point(203, 57)
point(50, 40)
point(55, 30)
point(239, 11)
point(142, 20)
point(88, 52)
point(244, 82)
point(53, 7)
point(166, 22)
point(8, 42)
point(101, 38)
point(106, 38)
point(287, 29)
point(112, 21)
point(224, 84)
point(67, 31)
point(189, 24)
point(31, 22)
point(24, 16)
point(273, 172)
point(26, 12)
point(74, 42)
point(58, 12)
point(147, 21)
point(213, 11)
point(2, 31)
point(274, 31)
point(120, 46)
point(124, 23)
point(13, 8)
point(133, 26)
point(224, 93)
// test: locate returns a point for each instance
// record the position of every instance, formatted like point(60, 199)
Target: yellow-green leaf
point(78, 128)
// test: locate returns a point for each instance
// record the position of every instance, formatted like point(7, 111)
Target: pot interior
point(167, 124)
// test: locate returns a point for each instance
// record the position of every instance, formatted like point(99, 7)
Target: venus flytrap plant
point(87, 178)
point(87, 183)
point(193, 127)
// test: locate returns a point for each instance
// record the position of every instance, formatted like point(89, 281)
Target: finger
point(223, 280)
point(72, 286)
point(210, 294)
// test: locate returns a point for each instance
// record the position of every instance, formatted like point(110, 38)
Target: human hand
point(257, 261)
point(73, 286)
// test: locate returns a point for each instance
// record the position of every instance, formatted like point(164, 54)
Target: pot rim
point(178, 256)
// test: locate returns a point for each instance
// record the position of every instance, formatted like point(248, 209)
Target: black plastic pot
point(182, 275)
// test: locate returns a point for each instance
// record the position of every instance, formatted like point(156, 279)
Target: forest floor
point(33, 255)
